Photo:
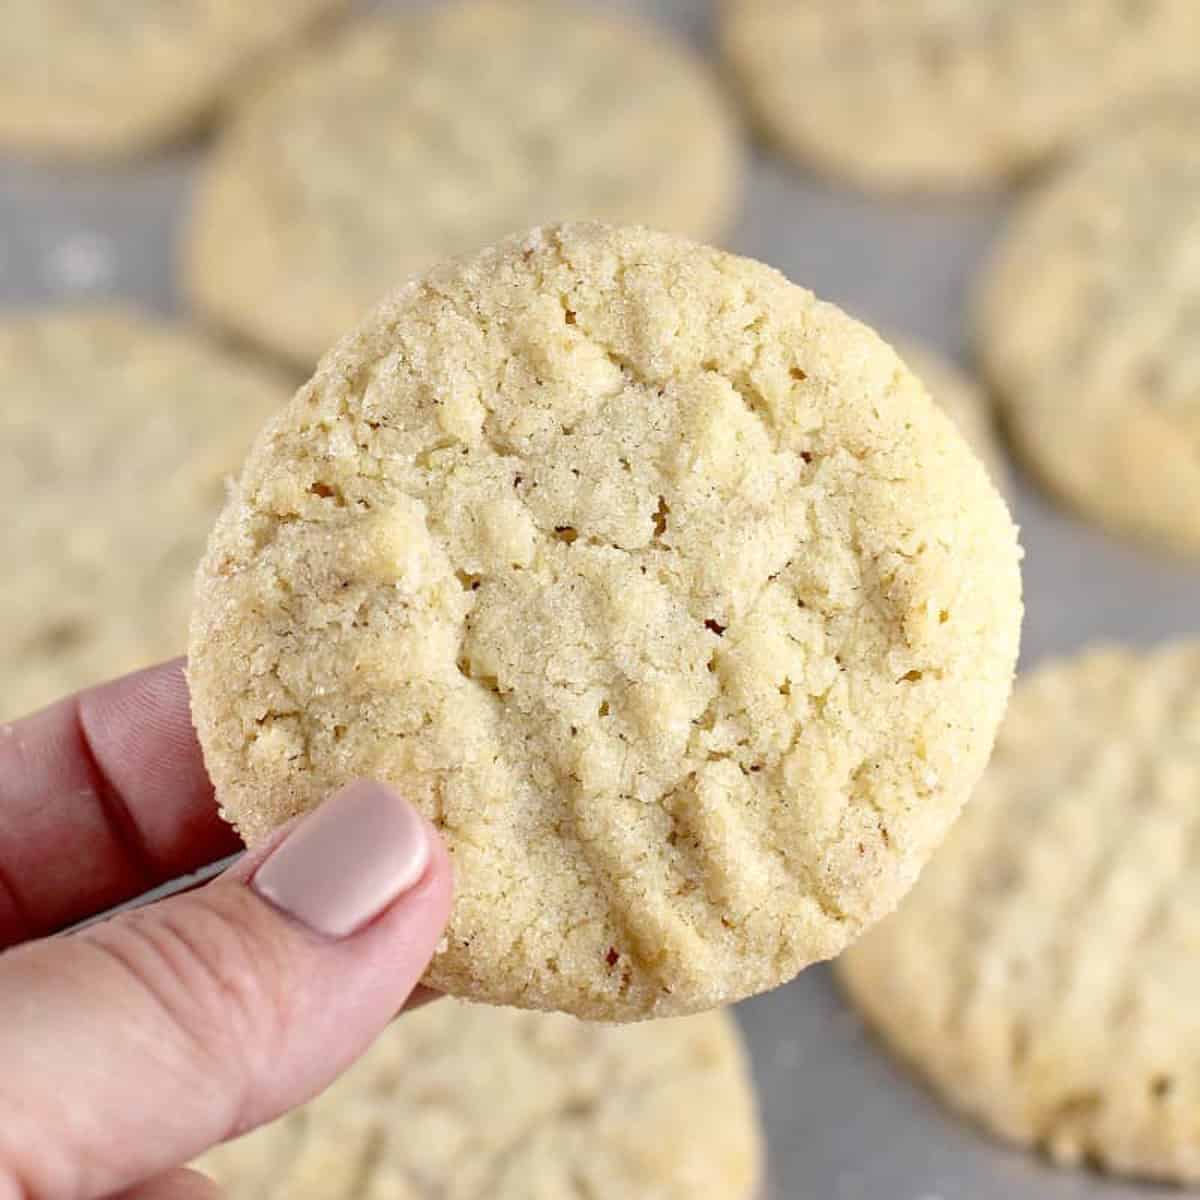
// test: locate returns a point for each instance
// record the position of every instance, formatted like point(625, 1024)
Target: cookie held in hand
point(661, 586)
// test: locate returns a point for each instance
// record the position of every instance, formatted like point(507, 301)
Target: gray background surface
point(843, 1122)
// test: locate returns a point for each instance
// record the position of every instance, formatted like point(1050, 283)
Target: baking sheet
point(843, 1122)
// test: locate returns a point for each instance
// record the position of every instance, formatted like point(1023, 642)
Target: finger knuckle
point(214, 974)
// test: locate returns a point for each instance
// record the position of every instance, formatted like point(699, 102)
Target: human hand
point(131, 1046)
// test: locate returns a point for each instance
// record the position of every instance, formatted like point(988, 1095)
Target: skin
point(133, 1045)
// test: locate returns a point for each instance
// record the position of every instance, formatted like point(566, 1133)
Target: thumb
point(134, 1045)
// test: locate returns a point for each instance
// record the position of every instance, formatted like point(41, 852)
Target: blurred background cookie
point(1089, 326)
point(1043, 973)
point(465, 1102)
point(923, 94)
point(89, 78)
point(118, 434)
point(425, 136)
point(964, 401)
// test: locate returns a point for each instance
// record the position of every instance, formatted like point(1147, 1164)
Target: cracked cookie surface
point(417, 138)
point(92, 77)
point(117, 435)
point(950, 93)
point(1089, 326)
point(465, 1102)
point(661, 586)
point(1042, 972)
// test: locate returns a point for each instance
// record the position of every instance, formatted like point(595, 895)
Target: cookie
point(1042, 973)
point(659, 585)
point(88, 78)
point(465, 1102)
point(925, 94)
point(417, 138)
point(116, 438)
point(1088, 322)
point(961, 398)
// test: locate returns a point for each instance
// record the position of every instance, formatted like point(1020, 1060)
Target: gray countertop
point(843, 1122)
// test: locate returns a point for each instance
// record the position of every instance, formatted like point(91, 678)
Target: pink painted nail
point(348, 860)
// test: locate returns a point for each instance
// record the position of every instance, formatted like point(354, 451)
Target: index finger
point(103, 796)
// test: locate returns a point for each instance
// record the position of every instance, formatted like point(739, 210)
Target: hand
point(131, 1046)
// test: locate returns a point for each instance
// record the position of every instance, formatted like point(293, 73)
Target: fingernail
point(348, 860)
